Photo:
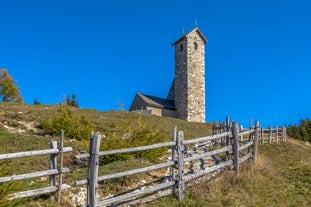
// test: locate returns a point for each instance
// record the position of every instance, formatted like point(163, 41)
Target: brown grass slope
point(281, 177)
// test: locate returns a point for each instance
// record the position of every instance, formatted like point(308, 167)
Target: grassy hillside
point(20, 131)
point(281, 177)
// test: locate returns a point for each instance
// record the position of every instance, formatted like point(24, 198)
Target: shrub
point(302, 131)
point(74, 127)
point(7, 188)
point(139, 134)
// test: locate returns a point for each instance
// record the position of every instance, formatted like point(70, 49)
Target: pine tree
point(8, 90)
point(74, 101)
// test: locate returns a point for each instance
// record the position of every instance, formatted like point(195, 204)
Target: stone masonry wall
point(181, 82)
point(190, 78)
point(196, 78)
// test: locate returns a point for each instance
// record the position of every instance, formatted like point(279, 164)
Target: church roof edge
point(157, 102)
point(195, 29)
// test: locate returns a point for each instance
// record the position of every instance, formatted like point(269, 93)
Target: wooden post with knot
point(93, 170)
point(235, 133)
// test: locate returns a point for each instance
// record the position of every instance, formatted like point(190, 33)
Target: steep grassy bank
point(281, 177)
point(20, 131)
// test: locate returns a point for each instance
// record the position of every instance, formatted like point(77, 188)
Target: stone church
point(186, 98)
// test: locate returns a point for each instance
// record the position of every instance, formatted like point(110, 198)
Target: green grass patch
point(281, 177)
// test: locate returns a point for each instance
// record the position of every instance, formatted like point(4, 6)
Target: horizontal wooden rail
point(232, 150)
point(33, 153)
point(246, 132)
point(36, 192)
point(124, 197)
point(130, 172)
point(33, 175)
point(218, 151)
point(127, 150)
point(208, 170)
point(246, 157)
point(208, 138)
point(248, 144)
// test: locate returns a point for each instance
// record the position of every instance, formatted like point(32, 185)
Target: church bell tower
point(188, 88)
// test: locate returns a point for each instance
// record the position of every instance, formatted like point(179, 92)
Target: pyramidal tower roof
point(196, 29)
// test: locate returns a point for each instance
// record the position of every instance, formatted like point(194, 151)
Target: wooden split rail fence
point(235, 150)
point(232, 145)
point(55, 171)
point(269, 134)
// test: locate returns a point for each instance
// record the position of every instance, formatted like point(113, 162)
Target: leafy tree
point(74, 101)
point(302, 131)
point(36, 102)
point(8, 90)
point(71, 101)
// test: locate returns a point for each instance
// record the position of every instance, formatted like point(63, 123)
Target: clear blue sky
point(258, 59)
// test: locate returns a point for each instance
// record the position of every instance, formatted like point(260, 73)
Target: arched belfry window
point(181, 47)
point(195, 44)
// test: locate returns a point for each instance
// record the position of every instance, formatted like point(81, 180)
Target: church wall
point(169, 113)
point(196, 78)
point(190, 78)
point(138, 104)
point(155, 111)
point(181, 82)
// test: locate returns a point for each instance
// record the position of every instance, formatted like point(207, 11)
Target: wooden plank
point(32, 175)
point(36, 192)
point(235, 132)
point(180, 151)
point(33, 153)
point(120, 198)
point(208, 170)
point(227, 144)
point(246, 157)
point(174, 138)
point(256, 141)
point(283, 134)
point(208, 138)
point(130, 172)
point(270, 134)
point(93, 170)
point(61, 160)
point(214, 152)
point(277, 133)
point(53, 163)
point(127, 150)
point(246, 132)
point(248, 144)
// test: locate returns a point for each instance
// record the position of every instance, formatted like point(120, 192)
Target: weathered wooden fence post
point(256, 140)
point(93, 171)
point(53, 164)
point(285, 136)
point(262, 137)
point(174, 135)
point(270, 134)
point(227, 138)
point(250, 136)
point(241, 130)
point(61, 160)
point(180, 151)
point(277, 133)
point(235, 133)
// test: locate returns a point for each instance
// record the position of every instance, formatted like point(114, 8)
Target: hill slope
point(281, 177)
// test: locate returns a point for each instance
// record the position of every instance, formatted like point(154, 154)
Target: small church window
point(181, 47)
point(195, 45)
